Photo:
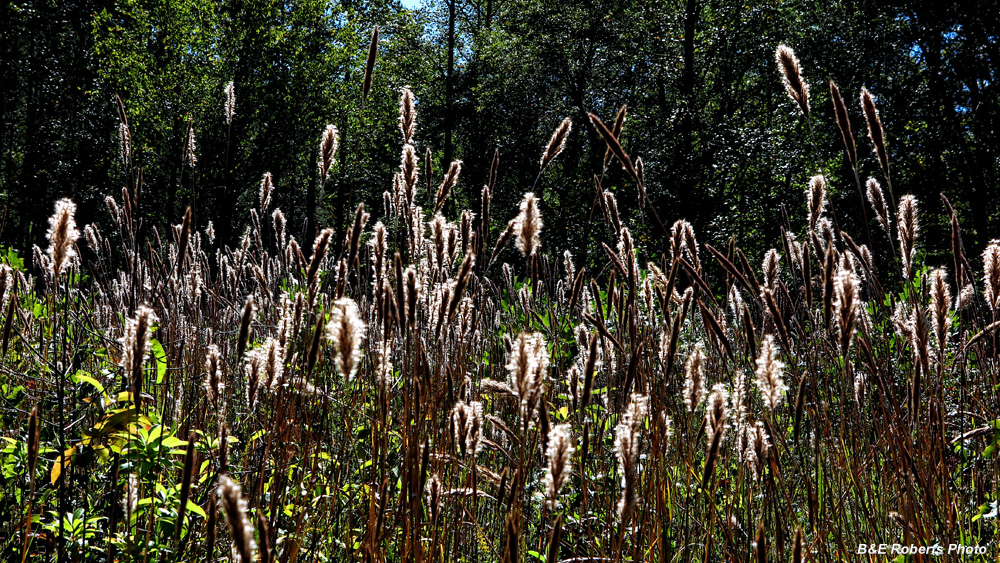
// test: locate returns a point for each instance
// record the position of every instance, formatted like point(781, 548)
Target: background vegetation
point(706, 114)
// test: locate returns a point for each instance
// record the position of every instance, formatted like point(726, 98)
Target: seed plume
point(528, 225)
point(877, 201)
point(229, 106)
point(235, 506)
point(556, 143)
point(791, 76)
point(844, 124)
point(816, 199)
point(346, 331)
point(770, 373)
point(694, 380)
point(559, 452)
point(908, 228)
point(874, 129)
point(407, 116)
point(327, 148)
point(991, 274)
point(62, 236)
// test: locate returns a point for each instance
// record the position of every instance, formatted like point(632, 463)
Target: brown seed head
point(844, 124)
point(235, 506)
point(556, 143)
point(875, 129)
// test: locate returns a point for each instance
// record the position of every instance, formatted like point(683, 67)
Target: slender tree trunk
point(449, 121)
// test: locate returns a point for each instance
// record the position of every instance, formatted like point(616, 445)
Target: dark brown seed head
point(244, 335)
point(875, 129)
point(450, 179)
point(844, 124)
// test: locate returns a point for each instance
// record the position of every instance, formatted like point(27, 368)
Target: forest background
point(721, 145)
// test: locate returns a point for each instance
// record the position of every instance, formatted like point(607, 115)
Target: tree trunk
point(449, 87)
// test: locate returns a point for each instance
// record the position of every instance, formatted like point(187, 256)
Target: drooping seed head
point(556, 143)
point(791, 76)
point(874, 129)
point(327, 148)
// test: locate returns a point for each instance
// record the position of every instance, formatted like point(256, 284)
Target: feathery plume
point(556, 143)
point(235, 506)
point(528, 225)
point(407, 115)
point(845, 306)
point(125, 143)
point(844, 124)
point(229, 105)
point(991, 274)
point(136, 348)
point(266, 186)
point(190, 146)
point(62, 236)
point(627, 451)
point(694, 380)
point(771, 267)
point(758, 442)
point(791, 76)
point(409, 170)
point(907, 229)
point(875, 129)
point(717, 412)
point(346, 331)
point(770, 373)
point(213, 376)
point(940, 308)
point(877, 201)
point(450, 179)
point(327, 148)
point(559, 452)
point(816, 199)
